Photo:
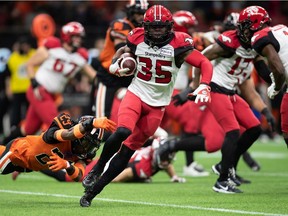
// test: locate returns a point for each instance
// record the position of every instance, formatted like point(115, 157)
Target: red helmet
point(70, 29)
point(184, 20)
point(252, 18)
point(158, 16)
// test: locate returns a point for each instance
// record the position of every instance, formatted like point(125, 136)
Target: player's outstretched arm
point(79, 130)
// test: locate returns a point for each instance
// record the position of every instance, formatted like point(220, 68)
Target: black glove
point(34, 83)
point(269, 117)
point(182, 97)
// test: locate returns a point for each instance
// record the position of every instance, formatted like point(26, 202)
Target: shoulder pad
point(182, 39)
point(229, 39)
point(52, 42)
point(83, 52)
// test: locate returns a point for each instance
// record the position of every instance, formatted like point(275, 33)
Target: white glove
point(271, 92)
point(116, 70)
point(177, 179)
point(202, 93)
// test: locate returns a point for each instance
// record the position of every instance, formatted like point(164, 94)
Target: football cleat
point(90, 180)
point(194, 170)
point(86, 199)
point(242, 180)
point(225, 187)
point(251, 162)
point(231, 174)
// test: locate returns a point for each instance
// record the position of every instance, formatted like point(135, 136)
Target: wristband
point(34, 83)
point(76, 131)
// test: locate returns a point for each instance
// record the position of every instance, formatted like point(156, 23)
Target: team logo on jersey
point(226, 39)
point(166, 52)
point(189, 40)
point(131, 32)
point(254, 37)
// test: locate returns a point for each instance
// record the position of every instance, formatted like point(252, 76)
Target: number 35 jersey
point(60, 66)
point(157, 67)
point(233, 69)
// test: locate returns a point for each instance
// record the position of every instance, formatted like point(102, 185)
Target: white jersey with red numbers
point(157, 70)
point(276, 36)
point(60, 66)
point(234, 69)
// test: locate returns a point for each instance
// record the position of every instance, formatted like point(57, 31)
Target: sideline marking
point(145, 203)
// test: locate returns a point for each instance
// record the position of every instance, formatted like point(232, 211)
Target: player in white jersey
point(272, 43)
point(159, 53)
point(232, 68)
point(57, 61)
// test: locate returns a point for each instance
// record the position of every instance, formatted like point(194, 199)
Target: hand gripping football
point(128, 61)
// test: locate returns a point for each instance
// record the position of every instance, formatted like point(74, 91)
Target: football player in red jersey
point(65, 142)
point(232, 68)
point(211, 134)
point(142, 166)
point(57, 60)
point(106, 83)
point(160, 52)
point(270, 42)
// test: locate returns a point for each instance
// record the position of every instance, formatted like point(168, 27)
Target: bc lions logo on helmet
point(189, 40)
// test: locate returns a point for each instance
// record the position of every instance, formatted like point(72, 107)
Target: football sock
point(111, 146)
point(116, 166)
point(245, 141)
point(228, 153)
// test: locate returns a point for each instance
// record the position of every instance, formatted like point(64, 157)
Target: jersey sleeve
point(182, 42)
point(52, 42)
point(134, 38)
point(62, 121)
point(119, 29)
point(83, 52)
point(262, 38)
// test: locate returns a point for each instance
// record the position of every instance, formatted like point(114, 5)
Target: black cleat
point(242, 180)
point(87, 198)
point(251, 162)
point(90, 180)
point(232, 177)
point(226, 187)
point(216, 169)
point(231, 174)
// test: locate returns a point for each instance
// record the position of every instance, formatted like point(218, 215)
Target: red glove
point(56, 163)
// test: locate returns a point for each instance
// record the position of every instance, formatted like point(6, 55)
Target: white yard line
point(146, 203)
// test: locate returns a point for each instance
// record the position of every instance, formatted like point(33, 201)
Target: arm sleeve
point(196, 59)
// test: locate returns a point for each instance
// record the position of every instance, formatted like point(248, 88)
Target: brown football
point(128, 61)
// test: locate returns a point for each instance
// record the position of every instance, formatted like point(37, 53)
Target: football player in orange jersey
point(65, 145)
point(106, 83)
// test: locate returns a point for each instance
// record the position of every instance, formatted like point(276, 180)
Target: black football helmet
point(136, 7)
point(162, 155)
point(87, 146)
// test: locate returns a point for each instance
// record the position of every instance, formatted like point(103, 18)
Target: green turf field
point(35, 194)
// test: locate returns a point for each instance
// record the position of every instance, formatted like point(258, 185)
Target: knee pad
point(122, 133)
